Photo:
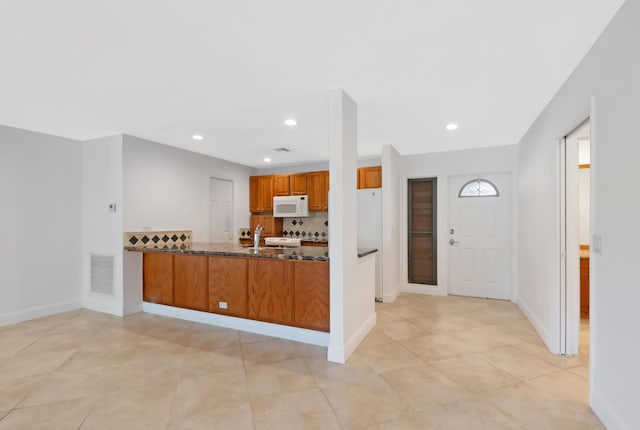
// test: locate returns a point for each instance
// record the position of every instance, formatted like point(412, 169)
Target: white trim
point(98, 304)
point(609, 417)
point(429, 290)
point(337, 353)
point(276, 330)
point(390, 297)
point(39, 312)
point(543, 332)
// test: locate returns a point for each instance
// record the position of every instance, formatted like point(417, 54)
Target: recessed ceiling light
point(290, 122)
point(267, 160)
point(452, 126)
point(197, 137)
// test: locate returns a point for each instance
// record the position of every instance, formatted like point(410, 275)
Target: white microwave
point(290, 206)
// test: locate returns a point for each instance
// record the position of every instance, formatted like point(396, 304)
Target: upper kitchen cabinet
point(370, 177)
point(261, 191)
point(281, 185)
point(272, 226)
point(298, 184)
point(318, 191)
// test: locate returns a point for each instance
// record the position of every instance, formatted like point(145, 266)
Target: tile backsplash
point(315, 226)
point(171, 239)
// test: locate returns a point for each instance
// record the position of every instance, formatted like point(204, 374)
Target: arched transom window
point(479, 188)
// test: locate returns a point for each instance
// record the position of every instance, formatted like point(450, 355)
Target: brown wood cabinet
point(228, 284)
point(281, 185)
point(272, 225)
point(190, 282)
point(311, 295)
point(298, 184)
point(370, 177)
point(157, 278)
point(584, 287)
point(291, 292)
point(271, 290)
point(261, 191)
point(313, 243)
point(318, 191)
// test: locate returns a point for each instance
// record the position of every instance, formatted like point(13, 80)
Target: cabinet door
point(325, 192)
point(311, 295)
point(228, 284)
point(190, 282)
point(254, 221)
point(298, 184)
point(271, 290)
point(266, 193)
point(157, 278)
point(370, 177)
point(281, 185)
point(316, 187)
point(254, 194)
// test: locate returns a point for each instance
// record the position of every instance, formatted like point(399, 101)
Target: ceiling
point(234, 70)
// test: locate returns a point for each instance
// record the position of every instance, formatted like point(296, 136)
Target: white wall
point(40, 225)
point(604, 85)
point(391, 204)
point(167, 188)
point(441, 165)
point(352, 280)
point(102, 186)
point(313, 167)
point(583, 205)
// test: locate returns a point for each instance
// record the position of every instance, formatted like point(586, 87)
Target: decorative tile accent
point(245, 233)
point(158, 239)
point(315, 226)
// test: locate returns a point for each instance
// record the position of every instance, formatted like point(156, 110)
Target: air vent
point(102, 274)
point(282, 149)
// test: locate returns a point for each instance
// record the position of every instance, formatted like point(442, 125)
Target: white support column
point(352, 286)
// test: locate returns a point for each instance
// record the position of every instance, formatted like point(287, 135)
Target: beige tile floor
point(430, 363)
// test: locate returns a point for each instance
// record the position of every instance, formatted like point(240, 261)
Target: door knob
point(451, 241)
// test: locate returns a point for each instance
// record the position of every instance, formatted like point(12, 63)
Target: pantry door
point(479, 236)
point(221, 211)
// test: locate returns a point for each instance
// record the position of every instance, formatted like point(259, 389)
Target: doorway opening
point(575, 242)
point(422, 240)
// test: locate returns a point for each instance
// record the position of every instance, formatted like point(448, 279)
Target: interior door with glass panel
point(480, 236)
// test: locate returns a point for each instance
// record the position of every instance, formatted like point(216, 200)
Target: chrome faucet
point(256, 236)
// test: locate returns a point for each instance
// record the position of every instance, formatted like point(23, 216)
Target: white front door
point(221, 211)
point(479, 237)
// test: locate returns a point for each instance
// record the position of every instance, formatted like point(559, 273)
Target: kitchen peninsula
point(287, 286)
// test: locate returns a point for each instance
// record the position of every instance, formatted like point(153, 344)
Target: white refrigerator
point(370, 228)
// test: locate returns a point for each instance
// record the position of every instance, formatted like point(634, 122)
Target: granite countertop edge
point(306, 253)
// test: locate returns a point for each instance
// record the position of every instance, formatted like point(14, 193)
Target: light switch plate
point(222, 305)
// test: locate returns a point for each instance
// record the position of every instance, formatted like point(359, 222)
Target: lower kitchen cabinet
point(191, 282)
point(271, 290)
point(157, 278)
point(289, 292)
point(311, 294)
point(228, 286)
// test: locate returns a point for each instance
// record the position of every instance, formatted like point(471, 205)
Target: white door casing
point(221, 211)
point(480, 228)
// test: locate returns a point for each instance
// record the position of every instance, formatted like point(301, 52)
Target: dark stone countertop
point(312, 253)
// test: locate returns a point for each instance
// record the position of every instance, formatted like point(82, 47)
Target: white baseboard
point(103, 305)
point(606, 413)
point(429, 290)
point(341, 353)
point(39, 312)
point(390, 297)
point(276, 330)
point(542, 330)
